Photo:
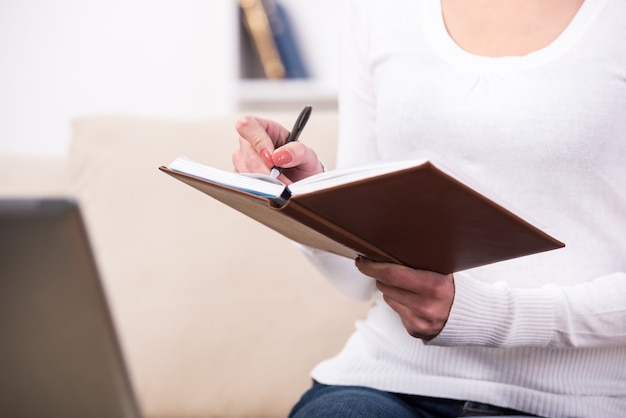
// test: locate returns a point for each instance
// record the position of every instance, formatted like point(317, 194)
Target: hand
point(423, 299)
point(261, 148)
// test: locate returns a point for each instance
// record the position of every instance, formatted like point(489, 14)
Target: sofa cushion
point(218, 315)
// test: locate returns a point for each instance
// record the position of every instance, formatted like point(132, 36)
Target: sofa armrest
point(33, 176)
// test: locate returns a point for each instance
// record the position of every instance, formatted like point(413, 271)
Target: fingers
point(417, 281)
point(394, 274)
point(297, 156)
point(417, 326)
point(421, 318)
point(262, 146)
point(263, 135)
point(422, 299)
point(246, 160)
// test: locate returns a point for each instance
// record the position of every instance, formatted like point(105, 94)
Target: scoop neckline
point(447, 47)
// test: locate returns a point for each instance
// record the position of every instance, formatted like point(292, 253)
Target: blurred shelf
point(261, 94)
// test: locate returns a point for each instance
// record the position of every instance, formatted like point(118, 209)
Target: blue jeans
point(323, 401)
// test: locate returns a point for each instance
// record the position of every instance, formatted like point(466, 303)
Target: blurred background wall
point(157, 58)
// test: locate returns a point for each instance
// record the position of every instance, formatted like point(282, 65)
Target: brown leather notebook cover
point(419, 217)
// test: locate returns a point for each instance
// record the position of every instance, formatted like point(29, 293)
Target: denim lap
point(349, 402)
point(323, 401)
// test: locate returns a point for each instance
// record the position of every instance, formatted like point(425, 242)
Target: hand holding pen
point(262, 147)
point(294, 134)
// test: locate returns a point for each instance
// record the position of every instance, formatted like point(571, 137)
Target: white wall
point(61, 59)
point(66, 58)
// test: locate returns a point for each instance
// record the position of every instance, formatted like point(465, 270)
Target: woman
point(529, 97)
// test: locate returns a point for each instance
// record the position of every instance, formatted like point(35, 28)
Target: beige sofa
point(218, 315)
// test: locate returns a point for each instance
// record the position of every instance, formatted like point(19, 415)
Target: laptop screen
point(59, 354)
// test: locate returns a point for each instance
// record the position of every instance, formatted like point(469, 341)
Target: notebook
point(59, 353)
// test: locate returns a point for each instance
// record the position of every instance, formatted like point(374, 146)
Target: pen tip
point(274, 173)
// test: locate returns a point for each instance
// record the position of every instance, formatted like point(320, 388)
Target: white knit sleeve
point(341, 273)
point(592, 314)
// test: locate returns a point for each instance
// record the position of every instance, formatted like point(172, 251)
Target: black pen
point(294, 134)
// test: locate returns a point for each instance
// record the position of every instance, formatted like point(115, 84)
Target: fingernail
point(266, 155)
point(281, 158)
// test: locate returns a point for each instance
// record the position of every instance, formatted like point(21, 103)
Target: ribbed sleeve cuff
point(496, 315)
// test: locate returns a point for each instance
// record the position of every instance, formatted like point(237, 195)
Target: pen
point(294, 134)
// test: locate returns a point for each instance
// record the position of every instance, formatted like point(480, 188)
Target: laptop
point(59, 353)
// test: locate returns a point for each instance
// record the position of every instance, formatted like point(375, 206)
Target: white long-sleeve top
point(544, 333)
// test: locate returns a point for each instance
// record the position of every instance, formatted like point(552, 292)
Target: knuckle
point(414, 329)
point(258, 141)
point(244, 122)
point(251, 131)
point(423, 322)
point(421, 330)
point(250, 160)
point(435, 291)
